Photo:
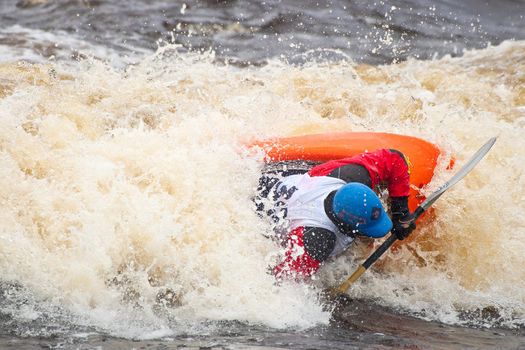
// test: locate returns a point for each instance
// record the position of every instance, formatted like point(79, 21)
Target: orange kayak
point(422, 154)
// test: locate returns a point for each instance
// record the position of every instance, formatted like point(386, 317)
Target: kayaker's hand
point(404, 224)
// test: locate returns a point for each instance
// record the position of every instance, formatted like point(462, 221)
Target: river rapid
point(126, 218)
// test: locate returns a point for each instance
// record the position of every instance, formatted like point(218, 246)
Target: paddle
point(417, 213)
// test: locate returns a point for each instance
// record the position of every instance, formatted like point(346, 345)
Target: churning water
point(125, 188)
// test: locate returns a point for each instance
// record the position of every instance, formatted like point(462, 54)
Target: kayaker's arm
point(306, 249)
point(386, 166)
point(371, 168)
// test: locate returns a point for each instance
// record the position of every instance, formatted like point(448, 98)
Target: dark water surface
point(253, 31)
point(359, 325)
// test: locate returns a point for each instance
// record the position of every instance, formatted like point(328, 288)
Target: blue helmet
point(358, 206)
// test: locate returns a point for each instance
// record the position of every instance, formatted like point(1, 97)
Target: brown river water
point(126, 218)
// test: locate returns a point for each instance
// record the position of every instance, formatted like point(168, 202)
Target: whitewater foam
point(126, 193)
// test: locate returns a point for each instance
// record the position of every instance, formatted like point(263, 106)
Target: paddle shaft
point(417, 213)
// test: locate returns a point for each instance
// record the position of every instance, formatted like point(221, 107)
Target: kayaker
point(319, 213)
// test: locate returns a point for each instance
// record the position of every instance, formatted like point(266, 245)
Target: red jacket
point(383, 166)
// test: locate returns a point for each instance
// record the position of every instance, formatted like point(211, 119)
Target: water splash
point(126, 193)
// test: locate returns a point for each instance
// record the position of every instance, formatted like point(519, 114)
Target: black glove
point(404, 224)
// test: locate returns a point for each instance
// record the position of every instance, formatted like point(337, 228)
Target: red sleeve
point(297, 264)
point(383, 165)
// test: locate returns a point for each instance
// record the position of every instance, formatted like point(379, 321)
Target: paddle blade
point(459, 175)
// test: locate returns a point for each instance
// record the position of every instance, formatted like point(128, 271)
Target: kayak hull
point(422, 155)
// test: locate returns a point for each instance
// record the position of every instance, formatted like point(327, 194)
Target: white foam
point(120, 185)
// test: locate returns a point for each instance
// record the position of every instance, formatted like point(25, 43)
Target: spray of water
point(126, 194)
